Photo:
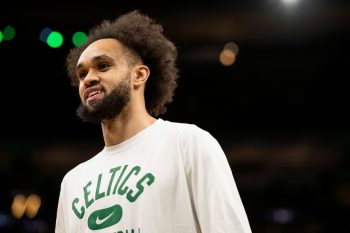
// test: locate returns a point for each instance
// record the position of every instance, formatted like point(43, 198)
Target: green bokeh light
point(9, 33)
point(79, 38)
point(1, 36)
point(55, 39)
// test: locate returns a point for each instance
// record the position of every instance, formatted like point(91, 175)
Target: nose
point(91, 79)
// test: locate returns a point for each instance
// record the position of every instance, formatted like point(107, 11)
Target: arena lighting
point(6, 220)
point(44, 34)
point(18, 206)
point(54, 39)
point(33, 205)
point(9, 33)
point(282, 215)
point(289, 2)
point(28, 205)
point(79, 38)
point(228, 55)
point(233, 47)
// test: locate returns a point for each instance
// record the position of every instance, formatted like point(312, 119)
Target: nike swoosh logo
point(104, 218)
point(100, 221)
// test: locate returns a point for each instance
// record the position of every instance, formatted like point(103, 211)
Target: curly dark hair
point(144, 39)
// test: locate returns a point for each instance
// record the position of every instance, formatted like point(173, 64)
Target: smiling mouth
point(94, 93)
point(93, 96)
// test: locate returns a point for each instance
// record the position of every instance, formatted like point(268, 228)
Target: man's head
point(104, 74)
point(143, 44)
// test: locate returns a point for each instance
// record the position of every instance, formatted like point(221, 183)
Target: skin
point(101, 67)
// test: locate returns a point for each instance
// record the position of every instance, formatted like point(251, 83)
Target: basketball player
point(152, 176)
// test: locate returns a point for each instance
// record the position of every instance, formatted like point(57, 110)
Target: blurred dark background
point(280, 111)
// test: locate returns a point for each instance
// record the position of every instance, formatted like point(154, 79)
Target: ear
point(141, 74)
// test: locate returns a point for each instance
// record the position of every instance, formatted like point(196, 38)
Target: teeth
point(94, 93)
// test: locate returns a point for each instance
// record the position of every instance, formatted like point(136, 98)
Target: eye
point(103, 66)
point(81, 75)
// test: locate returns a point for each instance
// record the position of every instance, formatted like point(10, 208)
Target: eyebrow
point(96, 59)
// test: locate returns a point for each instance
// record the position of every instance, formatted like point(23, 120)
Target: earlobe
point(142, 73)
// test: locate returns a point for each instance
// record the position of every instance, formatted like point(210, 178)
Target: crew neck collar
point(139, 136)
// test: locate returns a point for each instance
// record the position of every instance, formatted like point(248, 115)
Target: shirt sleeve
point(213, 191)
point(60, 222)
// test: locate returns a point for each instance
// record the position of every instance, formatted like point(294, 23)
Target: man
point(152, 176)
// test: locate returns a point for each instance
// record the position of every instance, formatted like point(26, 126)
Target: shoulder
point(197, 147)
point(188, 134)
point(80, 170)
point(184, 129)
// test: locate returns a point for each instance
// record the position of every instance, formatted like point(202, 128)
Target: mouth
point(93, 94)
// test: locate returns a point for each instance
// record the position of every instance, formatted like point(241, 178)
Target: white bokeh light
point(289, 2)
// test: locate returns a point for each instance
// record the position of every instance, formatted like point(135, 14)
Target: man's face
point(104, 76)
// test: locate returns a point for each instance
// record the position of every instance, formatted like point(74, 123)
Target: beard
point(108, 107)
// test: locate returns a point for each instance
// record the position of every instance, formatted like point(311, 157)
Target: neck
point(127, 124)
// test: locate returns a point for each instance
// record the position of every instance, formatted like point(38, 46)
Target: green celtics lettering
point(117, 184)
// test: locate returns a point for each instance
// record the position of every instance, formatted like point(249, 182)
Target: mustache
point(108, 107)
